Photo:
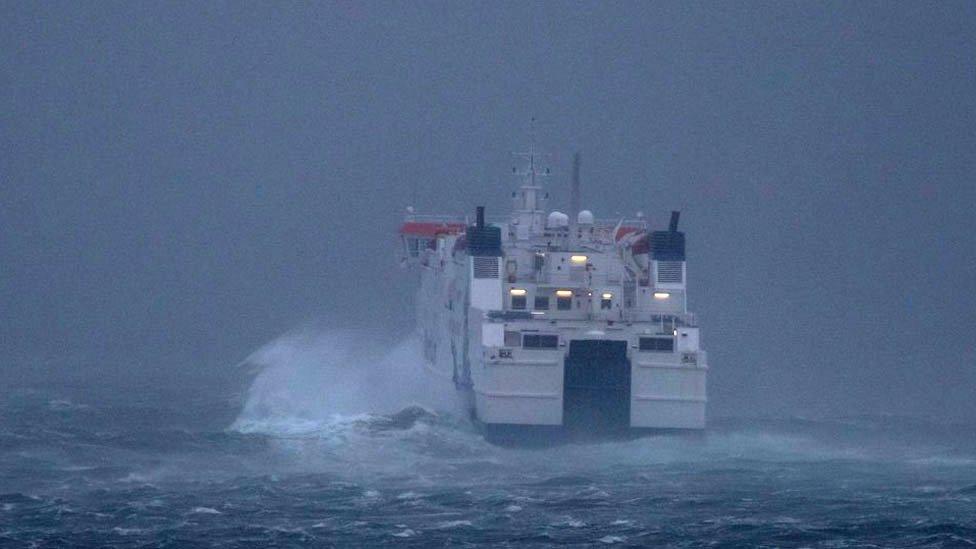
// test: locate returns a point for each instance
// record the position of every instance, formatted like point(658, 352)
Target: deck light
point(518, 292)
point(564, 293)
point(578, 259)
point(607, 295)
point(661, 295)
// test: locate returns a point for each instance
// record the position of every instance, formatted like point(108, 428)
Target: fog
point(181, 184)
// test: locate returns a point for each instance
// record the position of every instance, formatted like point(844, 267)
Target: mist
point(181, 185)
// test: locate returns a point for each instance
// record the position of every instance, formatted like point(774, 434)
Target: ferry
point(552, 323)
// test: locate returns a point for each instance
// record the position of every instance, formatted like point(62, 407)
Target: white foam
point(313, 381)
point(450, 524)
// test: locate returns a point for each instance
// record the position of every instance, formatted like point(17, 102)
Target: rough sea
point(315, 454)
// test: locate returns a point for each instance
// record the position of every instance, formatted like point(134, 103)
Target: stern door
point(596, 390)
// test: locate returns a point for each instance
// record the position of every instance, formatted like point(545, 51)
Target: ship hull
point(593, 384)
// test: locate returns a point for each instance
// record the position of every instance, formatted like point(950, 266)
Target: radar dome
point(585, 217)
point(557, 219)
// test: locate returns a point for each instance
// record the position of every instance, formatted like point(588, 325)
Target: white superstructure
point(551, 321)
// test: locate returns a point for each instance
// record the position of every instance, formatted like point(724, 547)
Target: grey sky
point(181, 182)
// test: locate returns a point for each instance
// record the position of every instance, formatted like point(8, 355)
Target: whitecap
point(62, 404)
point(405, 533)
point(611, 539)
point(453, 524)
point(205, 511)
point(513, 508)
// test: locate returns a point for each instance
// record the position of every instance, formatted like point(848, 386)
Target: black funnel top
point(674, 221)
point(669, 245)
point(484, 240)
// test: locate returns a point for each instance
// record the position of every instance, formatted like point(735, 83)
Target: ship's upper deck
point(553, 266)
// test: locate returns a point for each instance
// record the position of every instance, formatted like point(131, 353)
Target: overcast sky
point(180, 183)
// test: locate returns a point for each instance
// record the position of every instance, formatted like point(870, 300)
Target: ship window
point(605, 303)
point(535, 341)
point(513, 339)
point(564, 300)
point(413, 247)
point(659, 344)
point(541, 303)
point(518, 302)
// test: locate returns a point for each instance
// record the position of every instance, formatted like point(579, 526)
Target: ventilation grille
point(670, 272)
point(485, 267)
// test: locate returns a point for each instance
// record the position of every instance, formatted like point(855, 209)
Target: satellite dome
point(557, 219)
point(585, 217)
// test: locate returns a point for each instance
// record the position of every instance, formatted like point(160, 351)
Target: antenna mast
point(574, 201)
point(528, 206)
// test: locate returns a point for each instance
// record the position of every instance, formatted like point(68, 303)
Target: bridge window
point(658, 344)
point(536, 341)
point(541, 303)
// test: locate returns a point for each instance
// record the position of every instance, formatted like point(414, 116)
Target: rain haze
point(182, 184)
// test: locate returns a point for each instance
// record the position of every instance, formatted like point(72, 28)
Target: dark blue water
point(143, 473)
point(153, 464)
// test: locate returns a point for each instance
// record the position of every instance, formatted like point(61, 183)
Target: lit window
point(564, 300)
point(661, 295)
point(578, 259)
point(518, 298)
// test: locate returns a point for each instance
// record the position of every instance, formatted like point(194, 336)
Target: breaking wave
point(313, 382)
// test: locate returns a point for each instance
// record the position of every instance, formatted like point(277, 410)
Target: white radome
point(557, 219)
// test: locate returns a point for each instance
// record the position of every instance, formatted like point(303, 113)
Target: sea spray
point(311, 378)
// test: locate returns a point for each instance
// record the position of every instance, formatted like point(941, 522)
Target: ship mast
point(529, 210)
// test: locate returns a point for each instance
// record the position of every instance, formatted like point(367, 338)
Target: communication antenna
point(574, 201)
point(534, 168)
